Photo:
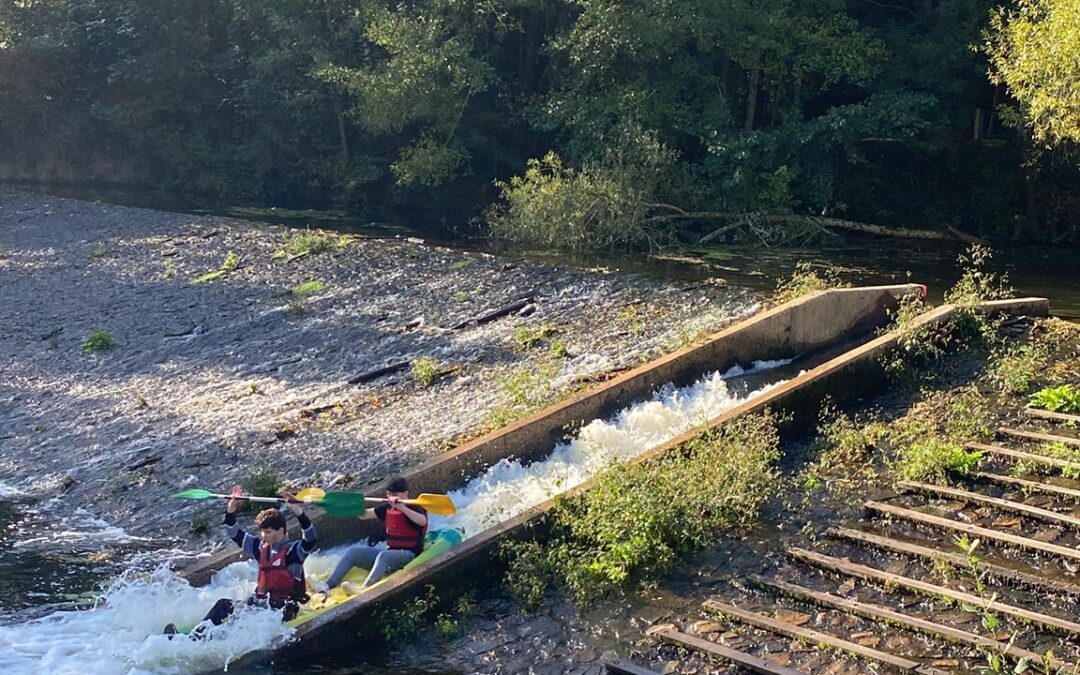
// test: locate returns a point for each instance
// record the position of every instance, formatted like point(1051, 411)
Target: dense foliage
point(636, 519)
point(571, 123)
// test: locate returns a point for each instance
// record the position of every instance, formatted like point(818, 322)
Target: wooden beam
point(1036, 436)
point(888, 578)
point(977, 498)
point(890, 616)
point(1055, 416)
point(1025, 484)
point(981, 532)
point(1024, 456)
point(956, 559)
point(817, 638)
point(748, 661)
point(622, 667)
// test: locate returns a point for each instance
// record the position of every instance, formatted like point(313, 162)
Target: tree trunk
point(1029, 227)
point(343, 137)
point(751, 97)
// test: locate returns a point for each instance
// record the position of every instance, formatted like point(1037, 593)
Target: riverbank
point(209, 381)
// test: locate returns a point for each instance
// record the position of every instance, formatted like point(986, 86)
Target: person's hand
point(394, 502)
point(295, 506)
point(234, 503)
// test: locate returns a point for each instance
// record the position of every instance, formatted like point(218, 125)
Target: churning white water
point(509, 487)
point(122, 634)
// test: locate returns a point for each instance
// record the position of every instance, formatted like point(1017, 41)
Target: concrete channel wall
point(847, 377)
point(797, 327)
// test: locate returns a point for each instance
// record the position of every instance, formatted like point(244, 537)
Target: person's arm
point(247, 543)
point(369, 514)
point(417, 515)
point(307, 528)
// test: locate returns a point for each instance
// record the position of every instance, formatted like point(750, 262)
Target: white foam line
point(510, 486)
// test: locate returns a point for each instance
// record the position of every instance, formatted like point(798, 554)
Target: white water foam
point(509, 487)
point(80, 528)
point(123, 633)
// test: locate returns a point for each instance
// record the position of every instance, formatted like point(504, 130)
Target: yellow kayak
point(438, 541)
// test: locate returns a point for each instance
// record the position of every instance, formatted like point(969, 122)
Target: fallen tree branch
point(515, 306)
point(370, 375)
point(820, 221)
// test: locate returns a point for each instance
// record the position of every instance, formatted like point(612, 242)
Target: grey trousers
point(380, 561)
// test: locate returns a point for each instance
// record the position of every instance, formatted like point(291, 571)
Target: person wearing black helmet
point(406, 527)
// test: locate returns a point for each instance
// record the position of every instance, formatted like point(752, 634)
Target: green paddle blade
point(343, 504)
point(193, 494)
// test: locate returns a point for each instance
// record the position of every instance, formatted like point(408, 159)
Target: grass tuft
point(98, 341)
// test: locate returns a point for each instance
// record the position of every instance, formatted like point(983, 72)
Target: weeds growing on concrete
point(98, 341)
point(525, 339)
point(264, 482)
point(526, 389)
point(307, 288)
point(807, 279)
point(231, 262)
point(426, 371)
point(307, 243)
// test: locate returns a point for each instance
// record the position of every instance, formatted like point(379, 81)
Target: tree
point(1034, 50)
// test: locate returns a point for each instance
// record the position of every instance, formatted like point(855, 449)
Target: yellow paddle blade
point(440, 505)
point(310, 495)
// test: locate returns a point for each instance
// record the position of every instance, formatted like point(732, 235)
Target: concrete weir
point(802, 326)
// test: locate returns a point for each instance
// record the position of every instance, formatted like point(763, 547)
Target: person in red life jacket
point(406, 527)
point(280, 583)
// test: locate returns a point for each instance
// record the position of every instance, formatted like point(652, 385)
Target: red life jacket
point(402, 533)
point(275, 580)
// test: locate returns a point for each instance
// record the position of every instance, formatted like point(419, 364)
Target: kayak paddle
point(343, 504)
point(307, 495)
point(440, 505)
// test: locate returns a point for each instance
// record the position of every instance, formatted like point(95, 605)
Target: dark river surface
point(45, 575)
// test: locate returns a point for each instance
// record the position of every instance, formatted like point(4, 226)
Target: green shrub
point(265, 482)
point(558, 350)
point(843, 446)
point(934, 460)
point(1015, 369)
point(228, 265)
point(1066, 452)
point(98, 341)
point(638, 518)
point(408, 619)
point(308, 243)
point(307, 288)
point(806, 280)
point(1063, 399)
point(526, 389)
point(459, 265)
point(609, 203)
point(525, 339)
point(426, 371)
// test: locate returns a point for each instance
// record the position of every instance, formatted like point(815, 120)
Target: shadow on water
point(43, 578)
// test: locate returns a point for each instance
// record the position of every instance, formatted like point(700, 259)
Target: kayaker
point(280, 584)
point(406, 528)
